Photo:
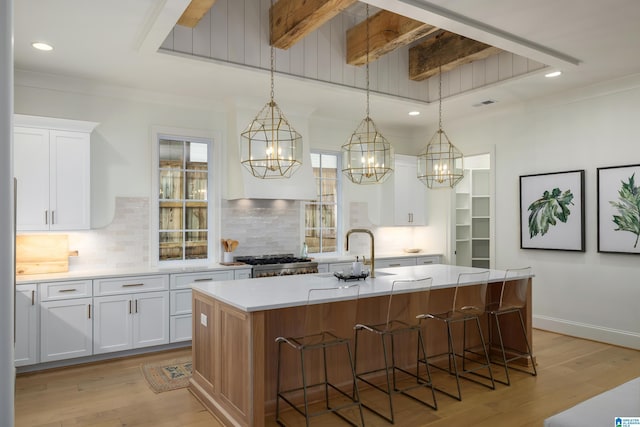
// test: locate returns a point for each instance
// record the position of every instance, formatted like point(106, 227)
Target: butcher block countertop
point(269, 293)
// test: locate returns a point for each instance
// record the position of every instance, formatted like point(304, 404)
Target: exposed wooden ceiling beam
point(387, 31)
point(194, 12)
point(292, 20)
point(449, 50)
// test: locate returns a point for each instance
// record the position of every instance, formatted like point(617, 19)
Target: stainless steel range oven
point(278, 265)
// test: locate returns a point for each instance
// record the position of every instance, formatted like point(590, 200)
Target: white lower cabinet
point(26, 338)
point(130, 312)
point(65, 329)
point(124, 322)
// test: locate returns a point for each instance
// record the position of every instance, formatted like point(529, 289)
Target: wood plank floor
point(114, 393)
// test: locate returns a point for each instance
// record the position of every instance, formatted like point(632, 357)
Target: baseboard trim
point(587, 331)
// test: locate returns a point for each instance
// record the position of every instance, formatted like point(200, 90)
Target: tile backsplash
point(260, 226)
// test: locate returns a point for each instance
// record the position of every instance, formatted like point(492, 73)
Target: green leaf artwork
point(628, 206)
point(544, 211)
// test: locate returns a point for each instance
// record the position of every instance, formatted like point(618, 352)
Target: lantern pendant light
point(270, 146)
point(368, 157)
point(440, 165)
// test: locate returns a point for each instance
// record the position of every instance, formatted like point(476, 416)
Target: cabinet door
point(151, 319)
point(180, 328)
point(409, 194)
point(65, 329)
point(31, 168)
point(26, 325)
point(69, 191)
point(112, 326)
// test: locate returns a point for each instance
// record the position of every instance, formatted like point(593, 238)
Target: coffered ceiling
point(100, 44)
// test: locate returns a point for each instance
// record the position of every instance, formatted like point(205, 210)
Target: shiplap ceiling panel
point(237, 31)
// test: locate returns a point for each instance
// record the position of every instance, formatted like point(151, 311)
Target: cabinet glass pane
point(170, 217)
point(171, 184)
point(197, 185)
point(171, 154)
point(196, 218)
point(170, 246)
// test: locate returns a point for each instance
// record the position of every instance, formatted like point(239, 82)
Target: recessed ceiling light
point(42, 46)
point(553, 74)
point(414, 113)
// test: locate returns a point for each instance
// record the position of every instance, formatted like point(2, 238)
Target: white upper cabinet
point(52, 166)
point(404, 202)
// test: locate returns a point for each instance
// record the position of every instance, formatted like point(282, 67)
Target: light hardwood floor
point(114, 393)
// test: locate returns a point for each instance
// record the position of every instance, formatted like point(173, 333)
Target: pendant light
point(440, 165)
point(368, 157)
point(270, 146)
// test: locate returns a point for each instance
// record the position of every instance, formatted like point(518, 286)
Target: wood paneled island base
point(234, 349)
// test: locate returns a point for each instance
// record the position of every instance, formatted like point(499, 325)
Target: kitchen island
point(236, 322)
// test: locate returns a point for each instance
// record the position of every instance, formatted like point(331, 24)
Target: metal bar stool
point(408, 298)
point(325, 307)
point(514, 294)
point(468, 304)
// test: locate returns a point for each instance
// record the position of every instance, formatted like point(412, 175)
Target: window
point(321, 215)
point(183, 198)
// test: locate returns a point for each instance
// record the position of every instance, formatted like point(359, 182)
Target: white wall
point(588, 294)
point(121, 143)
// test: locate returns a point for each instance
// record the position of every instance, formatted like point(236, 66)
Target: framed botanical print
point(619, 209)
point(552, 211)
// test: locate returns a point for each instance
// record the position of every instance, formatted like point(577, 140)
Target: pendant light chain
point(367, 67)
point(270, 146)
point(273, 66)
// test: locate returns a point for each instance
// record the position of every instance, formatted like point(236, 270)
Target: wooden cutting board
point(42, 253)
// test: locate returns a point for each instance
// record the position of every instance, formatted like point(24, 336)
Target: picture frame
point(552, 211)
point(619, 209)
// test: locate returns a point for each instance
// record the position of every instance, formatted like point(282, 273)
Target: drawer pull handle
point(67, 290)
point(136, 305)
point(129, 306)
point(394, 265)
point(89, 311)
point(131, 285)
point(33, 297)
point(206, 279)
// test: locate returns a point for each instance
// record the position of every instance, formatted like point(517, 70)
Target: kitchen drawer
point(425, 260)
point(184, 280)
point(395, 262)
point(131, 284)
point(65, 290)
point(180, 302)
point(180, 328)
point(244, 273)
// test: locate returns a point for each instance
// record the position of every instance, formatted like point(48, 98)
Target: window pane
point(196, 185)
point(197, 157)
point(196, 245)
point(170, 246)
point(171, 184)
point(171, 154)
point(196, 218)
point(170, 216)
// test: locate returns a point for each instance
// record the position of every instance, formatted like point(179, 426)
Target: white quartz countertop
point(290, 291)
point(120, 272)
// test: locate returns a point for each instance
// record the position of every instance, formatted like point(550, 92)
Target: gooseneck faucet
point(372, 256)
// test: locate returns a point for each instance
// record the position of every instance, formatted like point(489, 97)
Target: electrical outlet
point(203, 319)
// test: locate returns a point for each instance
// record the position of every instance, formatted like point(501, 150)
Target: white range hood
point(240, 184)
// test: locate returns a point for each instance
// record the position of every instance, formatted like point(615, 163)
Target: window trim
point(338, 250)
point(214, 193)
